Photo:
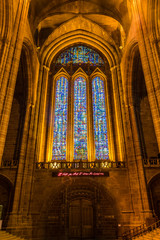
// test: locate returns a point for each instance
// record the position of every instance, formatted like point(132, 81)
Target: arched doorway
point(16, 123)
point(6, 194)
point(154, 190)
point(80, 209)
point(148, 141)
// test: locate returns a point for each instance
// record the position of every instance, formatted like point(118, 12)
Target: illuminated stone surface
point(33, 34)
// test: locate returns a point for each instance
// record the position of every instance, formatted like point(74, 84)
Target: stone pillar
point(118, 111)
point(30, 143)
point(6, 28)
point(50, 121)
point(9, 68)
point(139, 209)
point(90, 121)
point(42, 113)
point(145, 211)
point(150, 64)
point(125, 117)
point(70, 138)
point(111, 140)
point(22, 195)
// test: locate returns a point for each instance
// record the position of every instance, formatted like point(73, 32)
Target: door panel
point(75, 220)
point(87, 219)
point(81, 219)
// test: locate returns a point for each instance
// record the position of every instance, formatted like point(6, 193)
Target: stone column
point(145, 211)
point(25, 177)
point(22, 193)
point(90, 141)
point(70, 138)
point(126, 125)
point(6, 28)
point(70, 120)
point(9, 70)
point(42, 112)
point(139, 209)
point(111, 140)
point(118, 111)
point(150, 64)
point(49, 141)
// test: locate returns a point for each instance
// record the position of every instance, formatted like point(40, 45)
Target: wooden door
point(81, 219)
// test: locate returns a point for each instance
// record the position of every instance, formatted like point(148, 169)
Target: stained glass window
point(99, 117)
point(80, 54)
point(80, 119)
point(60, 119)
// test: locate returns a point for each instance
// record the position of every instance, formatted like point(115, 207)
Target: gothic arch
point(127, 65)
point(80, 185)
point(131, 84)
point(23, 96)
point(56, 206)
point(154, 194)
point(127, 76)
point(6, 197)
point(83, 31)
point(31, 66)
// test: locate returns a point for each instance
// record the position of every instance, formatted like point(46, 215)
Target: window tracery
point(80, 54)
point(80, 121)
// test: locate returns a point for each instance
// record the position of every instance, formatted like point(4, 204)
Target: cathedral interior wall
point(37, 203)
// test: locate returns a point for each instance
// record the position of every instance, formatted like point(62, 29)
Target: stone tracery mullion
point(70, 122)
point(90, 120)
point(109, 116)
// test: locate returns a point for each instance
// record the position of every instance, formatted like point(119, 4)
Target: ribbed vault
point(80, 31)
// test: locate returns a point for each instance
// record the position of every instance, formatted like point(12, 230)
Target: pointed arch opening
point(80, 119)
point(60, 119)
point(80, 108)
point(21, 96)
point(99, 119)
point(148, 141)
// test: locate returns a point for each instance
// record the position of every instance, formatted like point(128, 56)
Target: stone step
point(7, 236)
point(153, 235)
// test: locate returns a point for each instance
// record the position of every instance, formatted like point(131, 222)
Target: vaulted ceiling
point(47, 15)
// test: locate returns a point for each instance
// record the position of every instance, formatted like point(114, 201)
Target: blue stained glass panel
point(99, 118)
point(80, 54)
point(60, 120)
point(80, 119)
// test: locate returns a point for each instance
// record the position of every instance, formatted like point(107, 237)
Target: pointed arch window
point(80, 121)
point(60, 119)
point(99, 119)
